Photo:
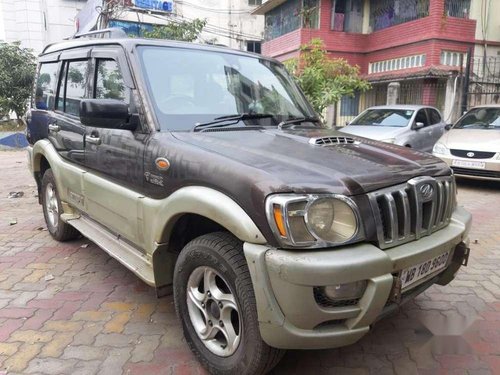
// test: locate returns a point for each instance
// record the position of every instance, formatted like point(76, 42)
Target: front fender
point(206, 202)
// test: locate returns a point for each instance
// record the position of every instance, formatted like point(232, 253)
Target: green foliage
point(324, 80)
point(187, 31)
point(17, 71)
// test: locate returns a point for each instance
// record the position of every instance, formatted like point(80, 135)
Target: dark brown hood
point(295, 165)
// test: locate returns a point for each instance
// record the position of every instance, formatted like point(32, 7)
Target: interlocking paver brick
point(95, 306)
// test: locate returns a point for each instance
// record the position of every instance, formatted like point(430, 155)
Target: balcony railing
point(457, 8)
point(387, 13)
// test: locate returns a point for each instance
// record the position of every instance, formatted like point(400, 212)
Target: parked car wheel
point(52, 210)
point(215, 301)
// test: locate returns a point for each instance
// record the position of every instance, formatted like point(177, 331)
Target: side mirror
point(448, 126)
point(106, 113)
point(419, 125)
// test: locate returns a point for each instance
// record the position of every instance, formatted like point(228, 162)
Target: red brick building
point(420, 43)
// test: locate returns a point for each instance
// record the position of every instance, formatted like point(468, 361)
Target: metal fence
point(457, 8)
point(418, 92)
point(484, 81)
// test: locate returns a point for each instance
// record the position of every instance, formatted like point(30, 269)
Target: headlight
point(389, 140)
point(313, 220)
point(440, 149)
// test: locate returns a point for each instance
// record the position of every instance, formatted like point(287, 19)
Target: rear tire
point(212, 284)
point(52, 210)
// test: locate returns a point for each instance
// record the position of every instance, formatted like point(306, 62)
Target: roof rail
point(113, 32)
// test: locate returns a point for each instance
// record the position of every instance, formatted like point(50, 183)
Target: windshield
point(384, 117)
point(480, 118)
point(196, 86)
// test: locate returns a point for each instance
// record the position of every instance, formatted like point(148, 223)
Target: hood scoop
point(329, 141)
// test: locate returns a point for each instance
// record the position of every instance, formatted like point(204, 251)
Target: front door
point(422, 135)
point(114, 157)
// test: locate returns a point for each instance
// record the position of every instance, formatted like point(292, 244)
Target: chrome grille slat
point(406, 213)
point(423, 212)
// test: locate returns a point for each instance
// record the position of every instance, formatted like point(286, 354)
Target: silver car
point(472, 146)
point(414, 126)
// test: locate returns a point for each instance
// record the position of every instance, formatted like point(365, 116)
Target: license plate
point(412, 274)
point(468, 164)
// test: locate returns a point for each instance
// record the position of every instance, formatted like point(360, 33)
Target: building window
point(397, 64)
point(387, 13)
point(253, 46)
point(290, 16)
point(452, 58)
point(347, 15)
point(457, 8)
point(254, 2)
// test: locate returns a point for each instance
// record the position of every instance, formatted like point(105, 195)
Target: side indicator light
point(162, 164)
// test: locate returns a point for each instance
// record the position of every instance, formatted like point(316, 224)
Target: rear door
point(66, 132)
point(436, 125)
point(114, 157)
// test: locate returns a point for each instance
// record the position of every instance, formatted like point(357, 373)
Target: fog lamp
point(345, 291)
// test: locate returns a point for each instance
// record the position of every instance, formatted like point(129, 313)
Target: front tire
point(52, 210)
point(215, 302)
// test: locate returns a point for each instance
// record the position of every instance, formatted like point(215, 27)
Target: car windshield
point(384, 117)
point(193, 86)
point(480, 118)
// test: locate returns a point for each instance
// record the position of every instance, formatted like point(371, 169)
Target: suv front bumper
point(291, 318)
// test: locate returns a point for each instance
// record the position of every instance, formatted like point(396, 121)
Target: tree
point(187, 31)
point(324, 80)
point(17, 71)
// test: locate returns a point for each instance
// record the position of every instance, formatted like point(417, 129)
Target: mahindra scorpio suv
point(205, 172)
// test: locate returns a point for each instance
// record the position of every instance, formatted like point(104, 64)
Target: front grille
point(476, 172)
point(407, 212)
point(327, 141)
point(472, 154)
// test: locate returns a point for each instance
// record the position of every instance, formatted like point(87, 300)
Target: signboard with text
point(155, 5)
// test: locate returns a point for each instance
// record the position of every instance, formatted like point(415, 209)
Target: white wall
point(229, 21)
point(38, 22)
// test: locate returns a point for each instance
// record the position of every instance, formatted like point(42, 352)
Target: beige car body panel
point(144, 223)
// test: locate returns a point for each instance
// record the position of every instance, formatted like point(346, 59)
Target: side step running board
point(117, 248)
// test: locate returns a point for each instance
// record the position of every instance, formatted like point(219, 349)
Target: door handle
point(93, 139)
point(54, 128)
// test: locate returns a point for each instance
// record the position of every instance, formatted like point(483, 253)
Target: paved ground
point(71, 309)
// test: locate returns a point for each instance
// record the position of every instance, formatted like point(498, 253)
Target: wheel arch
point(189, 213)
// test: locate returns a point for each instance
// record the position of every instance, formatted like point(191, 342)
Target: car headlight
point(440, 149)
point(389, 140)
point(313, 220)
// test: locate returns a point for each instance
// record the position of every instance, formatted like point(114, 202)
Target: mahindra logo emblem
point(470, 154)
point(426, 190)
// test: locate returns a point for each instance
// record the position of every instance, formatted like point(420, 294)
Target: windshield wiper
point(219, 122)
point(293, 121)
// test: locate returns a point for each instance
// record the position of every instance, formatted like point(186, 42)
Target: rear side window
point(46, 83)
point(73, 86)
point(434, 116)
point(109, 81)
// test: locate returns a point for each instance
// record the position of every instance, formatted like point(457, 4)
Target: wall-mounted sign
point(156, 5)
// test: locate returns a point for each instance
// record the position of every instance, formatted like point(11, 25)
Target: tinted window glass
point(46, 86)
point(422, 117)
point(76, 84)
point(384, 117)
point(434, 116)
point(109, 81)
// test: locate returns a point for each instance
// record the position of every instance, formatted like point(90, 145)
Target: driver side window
point(109, 81)
point(422, 117)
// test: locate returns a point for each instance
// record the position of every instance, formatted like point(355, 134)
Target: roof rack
point(112, 32)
